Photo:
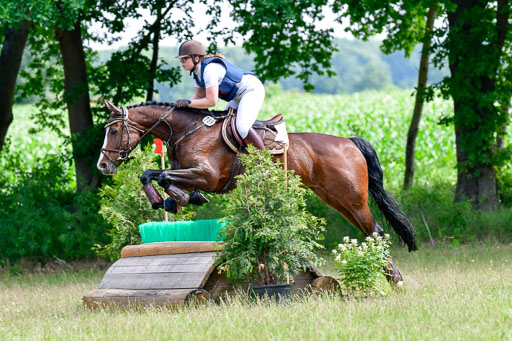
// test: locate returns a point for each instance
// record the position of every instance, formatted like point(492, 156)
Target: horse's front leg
point(173, 181)
point(153, 195)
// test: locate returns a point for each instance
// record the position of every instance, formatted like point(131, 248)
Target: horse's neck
point(148, 116)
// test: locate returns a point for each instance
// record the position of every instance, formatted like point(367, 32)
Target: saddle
point(272, 132)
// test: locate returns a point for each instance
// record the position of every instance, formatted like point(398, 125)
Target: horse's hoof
point(157, 205)
point(197, 198)
point(170, 205)
point(400, 285)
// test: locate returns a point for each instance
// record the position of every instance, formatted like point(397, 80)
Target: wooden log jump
point(173, 273)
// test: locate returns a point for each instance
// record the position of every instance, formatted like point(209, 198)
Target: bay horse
point(341, 171)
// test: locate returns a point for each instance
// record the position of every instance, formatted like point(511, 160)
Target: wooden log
point(136, 298)
point(325, 284)
point(167, 248)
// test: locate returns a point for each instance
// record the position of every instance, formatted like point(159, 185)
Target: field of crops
point(382, 118)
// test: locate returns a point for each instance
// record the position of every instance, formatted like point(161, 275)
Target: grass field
point(461, 293)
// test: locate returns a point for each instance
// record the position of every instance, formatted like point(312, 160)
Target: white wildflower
point(354, 241)
point(346, 239)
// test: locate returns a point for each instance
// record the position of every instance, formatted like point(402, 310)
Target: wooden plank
point(166, 248)
point(188, 258)
point(117, 297)
point(166, 268)
point(151, 281)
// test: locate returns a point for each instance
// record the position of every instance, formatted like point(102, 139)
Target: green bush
point(453, 223)
point(41, 215)
point(124, 204)
point(360, 266)
point(269, 234)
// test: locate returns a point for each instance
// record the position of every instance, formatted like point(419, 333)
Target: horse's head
point(121, 137)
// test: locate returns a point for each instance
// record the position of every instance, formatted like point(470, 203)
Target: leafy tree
point(420, 98)
point(283, 35)
point(62, 72)
point(474, 40)
point(15, 19)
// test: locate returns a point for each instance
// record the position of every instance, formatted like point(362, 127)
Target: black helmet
point(191, 47)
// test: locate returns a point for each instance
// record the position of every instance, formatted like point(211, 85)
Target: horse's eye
point(113, 132)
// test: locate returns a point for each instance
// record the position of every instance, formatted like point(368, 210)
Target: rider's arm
point(209, 99)
point(200, 93)
point(213, 76)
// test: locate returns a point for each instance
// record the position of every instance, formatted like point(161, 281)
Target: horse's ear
point(112, 108)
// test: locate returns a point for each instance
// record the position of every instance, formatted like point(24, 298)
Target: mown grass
point(452, 294)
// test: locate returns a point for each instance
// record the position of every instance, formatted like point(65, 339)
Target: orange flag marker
point(159, 149)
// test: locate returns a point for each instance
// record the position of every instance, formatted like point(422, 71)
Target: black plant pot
point(274, 292)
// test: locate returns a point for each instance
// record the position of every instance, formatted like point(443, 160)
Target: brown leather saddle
point(265, 129)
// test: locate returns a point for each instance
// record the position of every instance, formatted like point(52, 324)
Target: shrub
point(125, 206)
point(269, 234)
point(41, 215)
point(361, 265)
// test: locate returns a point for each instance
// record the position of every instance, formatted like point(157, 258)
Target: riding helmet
point(190, 48)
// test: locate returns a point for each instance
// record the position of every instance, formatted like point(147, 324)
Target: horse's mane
point(169, 105)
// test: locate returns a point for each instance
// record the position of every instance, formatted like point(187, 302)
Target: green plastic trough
point(172, 231)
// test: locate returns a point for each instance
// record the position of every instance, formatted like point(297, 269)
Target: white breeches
point(248, 103)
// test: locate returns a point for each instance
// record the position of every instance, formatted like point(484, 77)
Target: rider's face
point(187, 63)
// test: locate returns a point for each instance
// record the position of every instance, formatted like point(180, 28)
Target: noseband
point(123, 153)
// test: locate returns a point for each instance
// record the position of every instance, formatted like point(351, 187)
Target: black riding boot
point(255, 139)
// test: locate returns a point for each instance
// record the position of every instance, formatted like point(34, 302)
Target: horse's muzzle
point(107, 168)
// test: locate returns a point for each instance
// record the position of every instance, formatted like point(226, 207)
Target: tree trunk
point(10, 62)
point(76, 96)
point(418, 106)
point(473, 75)
point(154, 62)
point(500, 139)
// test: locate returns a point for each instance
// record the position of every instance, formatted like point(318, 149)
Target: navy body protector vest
point(227, 88)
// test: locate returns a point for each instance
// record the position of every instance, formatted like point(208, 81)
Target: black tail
point(384, 201)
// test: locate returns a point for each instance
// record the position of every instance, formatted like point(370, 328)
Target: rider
point(214, 77)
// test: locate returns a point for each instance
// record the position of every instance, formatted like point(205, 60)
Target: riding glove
point(182, 103)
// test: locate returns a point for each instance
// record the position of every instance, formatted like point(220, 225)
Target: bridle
point(123, 153)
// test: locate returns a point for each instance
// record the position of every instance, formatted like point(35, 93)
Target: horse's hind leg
point(357, 212)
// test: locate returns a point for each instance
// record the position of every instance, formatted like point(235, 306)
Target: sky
point(133, 26)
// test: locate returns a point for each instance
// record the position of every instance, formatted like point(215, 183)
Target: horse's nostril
point(102, 166)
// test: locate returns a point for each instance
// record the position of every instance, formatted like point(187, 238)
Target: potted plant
point(269, 235)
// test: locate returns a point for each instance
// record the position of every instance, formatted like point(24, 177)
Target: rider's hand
point(182, 103)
